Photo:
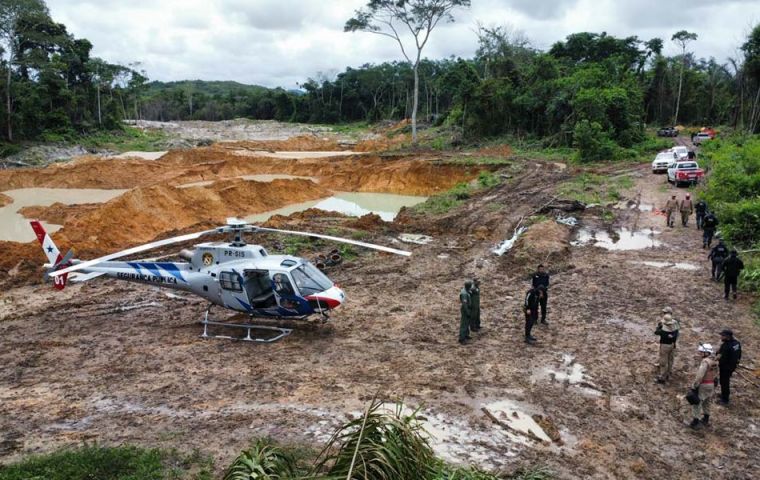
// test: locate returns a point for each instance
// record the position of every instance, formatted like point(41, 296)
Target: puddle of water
point(16, 228)
point(623, 239)
point(569, 372)
point(677, 265)
point(256, 178)
point(415, 238)
point(142, 155)
point(514, 415)
point(631, 205)
point(507, 244)
point(385, 205)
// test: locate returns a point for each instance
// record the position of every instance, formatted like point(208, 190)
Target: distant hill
point(211, 88)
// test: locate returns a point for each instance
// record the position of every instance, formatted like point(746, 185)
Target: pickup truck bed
point(687, 172)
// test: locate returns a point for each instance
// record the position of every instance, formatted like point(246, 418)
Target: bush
point(263, 461)
point(593, 143)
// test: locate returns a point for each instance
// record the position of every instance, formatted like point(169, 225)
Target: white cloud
point(283, 42)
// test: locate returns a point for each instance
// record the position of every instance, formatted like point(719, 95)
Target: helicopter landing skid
point(280, 332)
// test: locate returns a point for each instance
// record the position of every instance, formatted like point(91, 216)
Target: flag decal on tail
point(52, 253)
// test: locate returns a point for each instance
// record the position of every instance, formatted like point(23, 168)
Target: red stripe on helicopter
point(330, 302)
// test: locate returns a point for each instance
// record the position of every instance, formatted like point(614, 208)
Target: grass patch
point(592, 188)
point(111, 463)
point(129, 139)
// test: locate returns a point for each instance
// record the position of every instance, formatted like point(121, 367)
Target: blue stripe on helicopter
point(173, 270)
point(154, 269)
point(245, 305)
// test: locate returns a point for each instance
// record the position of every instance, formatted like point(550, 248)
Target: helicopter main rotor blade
point(132, 251)
point(339, 239)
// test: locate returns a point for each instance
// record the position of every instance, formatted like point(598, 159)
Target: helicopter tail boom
point(53, 254)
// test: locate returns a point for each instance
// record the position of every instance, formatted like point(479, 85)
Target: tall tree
point(420, 17)
point(751, 50)
point(682, 39)
point(11, 12)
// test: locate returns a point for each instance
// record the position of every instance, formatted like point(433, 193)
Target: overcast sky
point(283, 42)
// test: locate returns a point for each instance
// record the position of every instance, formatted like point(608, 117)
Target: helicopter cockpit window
point(310, 280)
point(230, 281)
point(282, 284)
point(258, 287)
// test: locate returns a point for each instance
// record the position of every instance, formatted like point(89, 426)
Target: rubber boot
point(705, 420)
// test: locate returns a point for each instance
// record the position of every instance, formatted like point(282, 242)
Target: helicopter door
point(258, 288)
point(233, 294)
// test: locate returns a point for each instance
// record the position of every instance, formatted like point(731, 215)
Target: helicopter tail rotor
point(55, 259)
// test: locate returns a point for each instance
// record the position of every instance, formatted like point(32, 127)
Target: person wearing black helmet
point(729, 354)
point(732, 267)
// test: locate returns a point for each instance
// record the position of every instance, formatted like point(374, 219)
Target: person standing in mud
point(729, 354)
point(475, 299)
point(732, 267)
point(465, 310)
point(687, 208)
point(704, 384)
point(541, 280)
point(718, 254)
point(701, 209)
point(709, 224)
point(530, 307)
point(667, 330)
point(670, 210)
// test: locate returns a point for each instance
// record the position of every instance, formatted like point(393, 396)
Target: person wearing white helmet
point(704, 385)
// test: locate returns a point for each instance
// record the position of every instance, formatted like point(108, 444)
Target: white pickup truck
point(662, 161)
point(701, 137)
point(685, 172)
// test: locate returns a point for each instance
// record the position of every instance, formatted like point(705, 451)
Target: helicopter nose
point(333, 297)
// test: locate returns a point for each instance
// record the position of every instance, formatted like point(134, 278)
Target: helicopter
point(235, 275)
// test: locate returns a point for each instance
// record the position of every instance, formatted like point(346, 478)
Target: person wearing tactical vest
point(709, 224)
point(718, 254)
point(704, 385)
point(701, 209)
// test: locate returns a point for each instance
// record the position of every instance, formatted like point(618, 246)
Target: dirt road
point(123, 363)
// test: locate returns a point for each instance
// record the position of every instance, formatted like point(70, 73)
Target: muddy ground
point(122, 363)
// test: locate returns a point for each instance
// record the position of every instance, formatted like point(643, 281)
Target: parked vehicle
point(662, 161)
point(681, 152)
point(701, 137)
point(667, 132)
point(687, 172)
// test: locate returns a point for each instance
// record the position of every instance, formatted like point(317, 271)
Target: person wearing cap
point(701, 209)
point(670, 210)
point(729, 354)
point(718, 254)
point(667, 330)
point(475, 311)
point(541, 280)
point(465, 311)
point(732, 267)
point(687, 208)
point(709, 224)
point(704, 384)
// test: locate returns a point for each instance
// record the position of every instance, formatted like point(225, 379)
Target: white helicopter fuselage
point(244, 278)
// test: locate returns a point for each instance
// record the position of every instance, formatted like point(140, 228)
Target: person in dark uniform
point(718, 254)
point(465, 310)
point(475, 299)
point(701, 210)
point(709, 224)
point(530, 307)
point(729, 354)
point(732, 267)
point(541, 279)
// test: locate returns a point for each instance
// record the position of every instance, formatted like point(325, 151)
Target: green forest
point(590, 90)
